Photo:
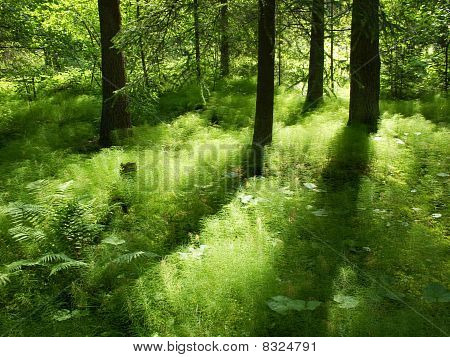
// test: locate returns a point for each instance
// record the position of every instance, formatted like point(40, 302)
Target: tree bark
point(446, 68)
point(224, 40)
point(365, 65)
point(262, 134)
point(198, 65)
point(279, 51)
point(332, 45)
point(114, 110)
point(141, 47)
point(197, 42)
point(314, 96)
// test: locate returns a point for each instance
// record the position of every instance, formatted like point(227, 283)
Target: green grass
point(226, 245)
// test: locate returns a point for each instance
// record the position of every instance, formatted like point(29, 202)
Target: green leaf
point(113, 240)
point(19, 265)
point(129, 257)
point(436, 293)
point(64, 314)
point(53, 258)
point(310, 186)
point(279, 304)
point(67, 265)
point(282, 304)
point(320, 213)
point(312, 305)
point(346, 301)
point(245, 199)
point(4, 279)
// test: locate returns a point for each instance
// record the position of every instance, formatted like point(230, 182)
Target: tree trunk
point(197, 42)
point(114, 110)
point(262, 134)
point(279, 50)
point(33, 86)
point(365, 65)
point(197, 51)
point(314, 97)
point(141, 47)
point(224, 40)
point(332, 45)
point(446, 68)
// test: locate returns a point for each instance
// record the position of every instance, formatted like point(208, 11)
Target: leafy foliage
point(64, 266)
point(436, 293)
point(283, 304)
point(129, 257)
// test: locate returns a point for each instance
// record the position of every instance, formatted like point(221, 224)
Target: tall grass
point(187, 245)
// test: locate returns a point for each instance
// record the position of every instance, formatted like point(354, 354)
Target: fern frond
point(35, 186)
point(67, 265)
point(22, 213)
point(20, 264)
point(53, 258)
point(129, 257)
point(23, 233)
point(4, 279)
point(62, 190)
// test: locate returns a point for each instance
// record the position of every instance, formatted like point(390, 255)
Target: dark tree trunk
point(446, 68)
point(141, 47)
point(115, 115)
point(224, 40)
point(33, 86)
point(365, 64)
point(332, 45)
point(197, 42)
point(279, 50)
point(314, 96)
point(262, 134)
point(198, 66)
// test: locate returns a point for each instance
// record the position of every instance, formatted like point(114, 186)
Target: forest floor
point(346, 235)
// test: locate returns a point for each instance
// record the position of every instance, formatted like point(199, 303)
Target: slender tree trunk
point(47, 57)
point(198, 67)
point(446, 68)
point(395, 55)
point(33, 86)
point(279, 43)
point(262, 134)
point(224, 40)
point(332, 45)
point(114, 110)
point(197, 42)
point(314, 96)
point(141, 47)
point(365, 64)
point(27, 89)
point(93, 73)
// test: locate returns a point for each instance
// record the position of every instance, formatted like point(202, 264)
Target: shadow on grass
point(433, 108)
point(346, 251)
point(326, 235)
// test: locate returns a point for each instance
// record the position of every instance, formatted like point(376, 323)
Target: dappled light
point(167, 170)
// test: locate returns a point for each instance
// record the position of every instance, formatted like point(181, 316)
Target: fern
point(129, 257)
point(53, 258)
point(70, 224)
point(25, 219)
point(64, 263)
point(22, 214)
point(35, 186)
point(20, 264)
point(67, 265)
point(4, 279)
point(24, 233)
point(62, 191)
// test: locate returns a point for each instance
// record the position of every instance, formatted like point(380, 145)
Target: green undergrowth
point(356, 223)
point(345, 235)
